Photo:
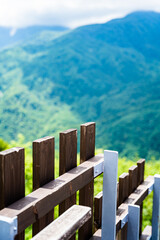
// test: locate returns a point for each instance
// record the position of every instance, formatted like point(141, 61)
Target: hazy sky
point(71, 13)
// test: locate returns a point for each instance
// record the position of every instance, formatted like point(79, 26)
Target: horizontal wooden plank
point(41, 201)
point(64, 227)
point(146, 234)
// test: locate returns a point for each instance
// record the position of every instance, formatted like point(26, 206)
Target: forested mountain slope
point(108, 73)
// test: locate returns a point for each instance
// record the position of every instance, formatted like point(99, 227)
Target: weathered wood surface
point(66, 225)
point(43, 161)
point(123, 187)
point(98, 211)
point(68, 161)
point(86, 194)
point(141, 166)
point(38, 203)
point(12, 186)
point(43, 172)
point(123, 195)
point(12, 178)
point(146, 234)
point(133, 178)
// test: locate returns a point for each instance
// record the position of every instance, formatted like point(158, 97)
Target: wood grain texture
point(133, 178)
point(98, 211)
point(87, 141)
point(66, 225)
point(141, 168)
point(43, 172)
point(43, 161)
point(12, 178)
point(38, 203)
point(123, 195)
point(87, 151)
point(68, 161)
point(123, 187)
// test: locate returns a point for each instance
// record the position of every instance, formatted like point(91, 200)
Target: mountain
point(13, 36)
point(108, 73)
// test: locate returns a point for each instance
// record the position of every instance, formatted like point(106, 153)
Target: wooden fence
point(18, 211)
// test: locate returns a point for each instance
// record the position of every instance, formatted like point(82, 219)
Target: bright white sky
point(71, 13)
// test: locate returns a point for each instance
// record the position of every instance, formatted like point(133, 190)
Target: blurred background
point(63, 63)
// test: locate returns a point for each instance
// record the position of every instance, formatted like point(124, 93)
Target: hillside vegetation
point(108, 73)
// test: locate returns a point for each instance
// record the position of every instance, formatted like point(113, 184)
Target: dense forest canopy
point(108, 73)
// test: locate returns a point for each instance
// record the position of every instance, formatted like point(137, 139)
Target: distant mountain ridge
point(108, 73)
point(127, 32)
point(11, 36)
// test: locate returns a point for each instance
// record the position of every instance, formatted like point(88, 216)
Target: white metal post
point(133, 222)
point(156, 209)
point(8, 228)
point(109, 204)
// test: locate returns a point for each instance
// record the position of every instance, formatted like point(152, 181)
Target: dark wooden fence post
point(87, 151)
point(98, 211)
point(123, 195)
point(43, 172)
point(133, 178)
point(68, 160)
point(12, 178)
point(141, 166)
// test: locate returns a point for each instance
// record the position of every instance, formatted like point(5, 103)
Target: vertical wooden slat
point(123, 187)
point(87, 151)
point(141, 166)
point(68, 160)
point(12, 178)
point(123, 195)
point(98, 211)
point(133, 178)
point(43, 172)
